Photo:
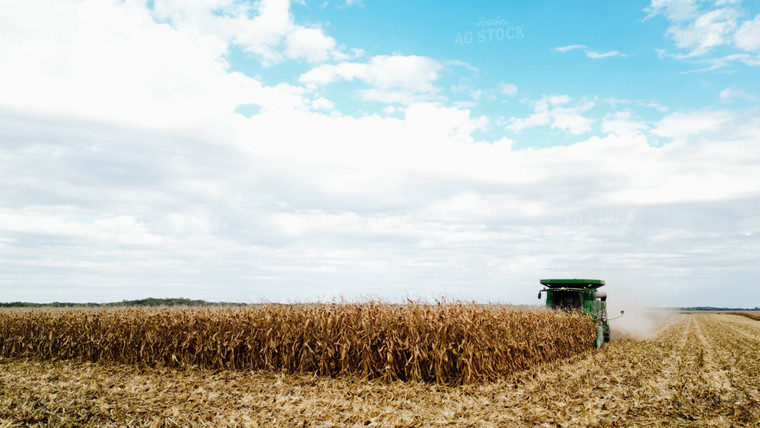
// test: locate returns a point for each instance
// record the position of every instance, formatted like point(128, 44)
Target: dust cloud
point(639, 322)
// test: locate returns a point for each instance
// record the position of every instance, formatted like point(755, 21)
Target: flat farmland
point(696, 370)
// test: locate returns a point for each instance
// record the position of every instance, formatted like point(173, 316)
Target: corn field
point(753, 315)
point(449, 343)
point(696, 370)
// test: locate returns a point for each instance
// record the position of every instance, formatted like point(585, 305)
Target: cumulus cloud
point(680, 125)
point(309, 43)
point(265, 29)
point(322, 103)
point(275, 213)
point(123, 66)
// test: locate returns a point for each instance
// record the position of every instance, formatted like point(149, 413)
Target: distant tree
point(149, 301)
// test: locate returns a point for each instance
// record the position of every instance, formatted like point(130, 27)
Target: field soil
point(697, 370)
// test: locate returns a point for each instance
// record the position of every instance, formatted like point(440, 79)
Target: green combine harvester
point(580, 294)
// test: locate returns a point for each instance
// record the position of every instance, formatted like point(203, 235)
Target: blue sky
point(298, 151)
point(594, 51)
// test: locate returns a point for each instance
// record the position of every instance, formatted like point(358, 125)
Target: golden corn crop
point(452, 343)
point(755, 315)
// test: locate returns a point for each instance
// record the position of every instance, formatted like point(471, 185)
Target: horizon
point(438, 300)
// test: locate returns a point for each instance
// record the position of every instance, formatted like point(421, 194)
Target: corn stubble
point(448, 343)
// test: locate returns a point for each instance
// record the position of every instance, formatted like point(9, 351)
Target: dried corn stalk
point(452, 343)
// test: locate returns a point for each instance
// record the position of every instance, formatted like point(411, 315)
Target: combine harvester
point(580, 294)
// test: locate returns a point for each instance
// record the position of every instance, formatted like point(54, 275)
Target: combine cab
point(579, 294)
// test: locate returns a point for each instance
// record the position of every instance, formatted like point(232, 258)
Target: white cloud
point(394, 78)
point(747, 37)
point(140, 70)
point(479, 95)
point(590, 53)
point(507, 88)
point(286, 212)
point(675, 10)
point(715, 63)
point(347, 54)
point(599, 55)
point(329, 73)
point(411, 72)
point(700, 29)
point(710, 30)
point(570, 48)
point(571, 122)
point(623, 123)
point(309, 43)
point(681, 126)
point(553, 111)
point(322, 103)
point(731, 93)
point(76, 70)
point(462, 64)
point(390, 96)
point(265, 28)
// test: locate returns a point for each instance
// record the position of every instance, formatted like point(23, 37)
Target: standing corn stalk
point(452, 343)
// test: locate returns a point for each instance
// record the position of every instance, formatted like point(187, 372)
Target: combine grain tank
point(579, 294)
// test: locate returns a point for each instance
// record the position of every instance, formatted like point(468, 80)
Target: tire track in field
point(707, 387)
point(582, 370)
point(743, 326)
point(618, 384)
point(712, 372)
point(661, 387)
point(700, 391)
point(736, 351)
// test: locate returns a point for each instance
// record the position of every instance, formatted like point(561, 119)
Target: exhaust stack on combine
point(580, 294)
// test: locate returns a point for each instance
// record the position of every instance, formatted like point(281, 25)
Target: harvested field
point(699, 370)
point(452, 343)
